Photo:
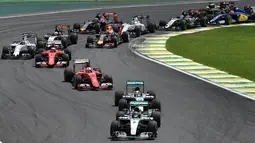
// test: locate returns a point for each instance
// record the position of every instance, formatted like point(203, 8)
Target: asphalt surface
point(37, 107)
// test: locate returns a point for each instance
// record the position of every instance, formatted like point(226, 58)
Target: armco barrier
point(153, 49)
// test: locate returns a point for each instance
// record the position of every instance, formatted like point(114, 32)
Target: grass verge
point(228, 49)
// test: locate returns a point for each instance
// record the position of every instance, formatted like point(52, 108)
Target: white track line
point(115, 7)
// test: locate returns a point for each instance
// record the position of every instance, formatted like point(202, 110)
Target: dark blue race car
point(235, 15)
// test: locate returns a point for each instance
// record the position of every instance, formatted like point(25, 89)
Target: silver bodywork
point(17, 46)
point(134, 122)
point(56, 40)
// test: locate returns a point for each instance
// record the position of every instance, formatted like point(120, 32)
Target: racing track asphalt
point(37, 107)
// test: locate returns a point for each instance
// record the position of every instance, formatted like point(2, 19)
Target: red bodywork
point(50, 57)
point(95, 77)
point(110, 15)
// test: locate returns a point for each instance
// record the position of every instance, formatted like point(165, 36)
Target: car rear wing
point(29, 35)
point(134, 83)
point(81, 61)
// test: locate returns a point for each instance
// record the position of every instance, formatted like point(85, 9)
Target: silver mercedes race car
point(134, 126)
point(135, 92)
point(24, 49)
point(143, 108)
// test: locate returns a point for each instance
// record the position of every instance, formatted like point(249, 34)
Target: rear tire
point(68, 75)
point(123, 104)
point(118, 95)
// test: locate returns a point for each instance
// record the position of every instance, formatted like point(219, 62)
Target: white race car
point(134, 126)
point(24, 49)
point(140, 25)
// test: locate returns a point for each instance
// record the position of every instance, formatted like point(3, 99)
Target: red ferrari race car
point(82, 76)
point(53, 58)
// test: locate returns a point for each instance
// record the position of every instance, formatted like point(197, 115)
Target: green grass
point(228, 49)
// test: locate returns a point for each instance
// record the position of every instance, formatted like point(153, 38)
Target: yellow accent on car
point(100, 42)
point(243, 17)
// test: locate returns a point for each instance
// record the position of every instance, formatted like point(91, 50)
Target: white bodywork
point(135, 23)
point(19, 47)
point(171, 22)
point(52, 40)
point(134, 124)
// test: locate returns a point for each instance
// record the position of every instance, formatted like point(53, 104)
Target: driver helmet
point(184, 13)
point(55, 33)
point(109, 29)
point(137, 92)
point(22, 43)
point(53, 49)
point(136, 113)
point(231, 12)
point(212, 5)
point(88, 70)
point(135, 20)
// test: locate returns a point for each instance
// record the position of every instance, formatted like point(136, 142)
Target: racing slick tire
point(162, 23)
point(114, 127)
point(115, 41)
point(97, 69)
point(38, 58)
point(77, 80)
point(151, 28)
point(108, 79)
point(40, 44)
point(183, 25)
point(123, 104)
point(117, 96)
point(152, 93)
point(157, 117)
point(97, 28)
point(203, 21)
point(64, 42)
point(68, 75)
point(119, 114)
point(68, 52)
point(65, 58)
point(31, 52)
point(5, 52)
point(39, 51)
point(125, 37)
point(76, 26)
point(74, 38)
point(90, 40)
point(137, 31)
point(153, 128)
point(155, 104)
point(228, 20)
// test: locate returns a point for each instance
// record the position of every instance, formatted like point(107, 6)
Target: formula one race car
point(188, 19)
point(24, 49)
point(62, 36)
point(123, 99)
point(108, 39)
point(140, 25)
point(86, 77)
point(98, 24)
point(141, 107)
point(235, 15)
point(134, 126)
point(53, 58)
